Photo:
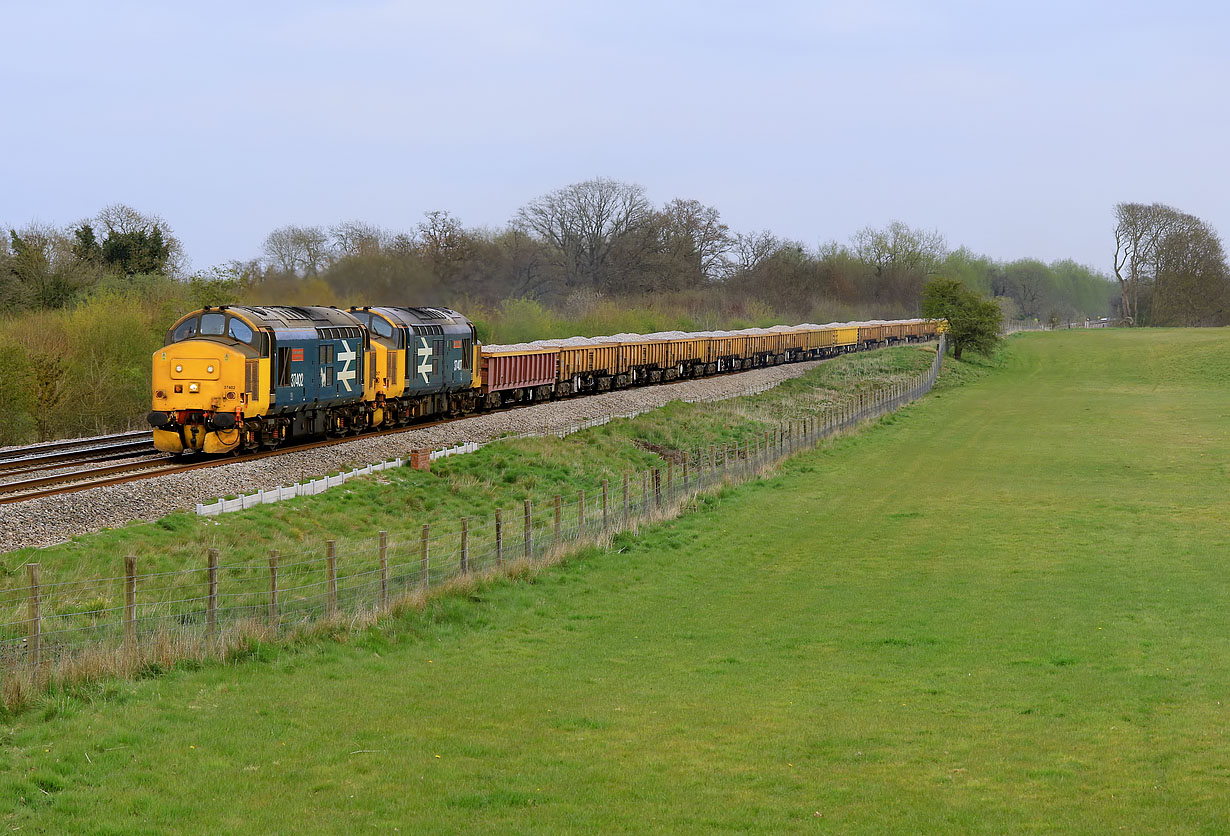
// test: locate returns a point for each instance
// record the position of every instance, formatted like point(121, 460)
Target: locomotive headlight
point(194, 387)
point(209, 369)
point(179, 369)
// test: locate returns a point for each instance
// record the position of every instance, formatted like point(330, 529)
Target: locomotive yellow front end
point(202, 381)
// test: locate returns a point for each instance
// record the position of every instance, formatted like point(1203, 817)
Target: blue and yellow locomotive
point(234, 378)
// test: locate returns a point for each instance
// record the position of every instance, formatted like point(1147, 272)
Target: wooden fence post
point(606, 519)
point(529, 530)
point(670, 481)
point(657, 488)
point(36, 618)
point(559, 518)
point(130, 599)
point(425, 556)
point(384, 569)
point(465, 545)
point(211, 603)
point(273, 588)
point(645, 492)
point(331, 577)
point(684, 475)
point(499, 537)
point(627, 502)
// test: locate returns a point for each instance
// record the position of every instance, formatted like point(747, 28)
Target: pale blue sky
point(1012, 128)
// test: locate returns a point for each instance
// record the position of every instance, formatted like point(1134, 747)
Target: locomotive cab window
point(185, 331)
point(239, 330)
point(213, 325)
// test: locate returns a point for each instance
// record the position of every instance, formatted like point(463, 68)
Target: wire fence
point(53, 630)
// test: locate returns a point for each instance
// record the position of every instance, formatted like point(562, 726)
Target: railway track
point(67, 450)
point(115, 474)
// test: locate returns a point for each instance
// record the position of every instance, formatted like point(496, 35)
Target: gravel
point(41, 522)
point(680, 335)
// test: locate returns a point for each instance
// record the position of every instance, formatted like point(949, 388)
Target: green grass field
point(1000, 611)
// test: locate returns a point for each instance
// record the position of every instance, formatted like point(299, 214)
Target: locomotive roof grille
point(337, 333)
point(433, 313)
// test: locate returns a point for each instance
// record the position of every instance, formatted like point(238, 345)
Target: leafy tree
point(138, 251)
point(137, 243)
point(973, 321)
point(85, 243)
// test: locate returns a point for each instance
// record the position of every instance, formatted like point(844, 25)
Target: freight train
point(233, 378)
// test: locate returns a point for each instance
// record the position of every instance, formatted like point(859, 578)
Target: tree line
point(603, 239)
point(82, 307)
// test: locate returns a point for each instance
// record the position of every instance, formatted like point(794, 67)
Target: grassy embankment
point(1000, 611)
point(400, 502)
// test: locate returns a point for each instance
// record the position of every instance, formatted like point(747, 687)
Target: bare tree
point(1136, 231)
point(899, 248)
point(900, 259)
point(298, 250)
point(753, 248)
point(445, 243)
point(695, 240)
point(1029, 282)
point(356, 238)
point(582, 223)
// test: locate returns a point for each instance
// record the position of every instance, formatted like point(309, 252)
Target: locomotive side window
point(466, 356)
point(283, 366)
point(240, 331)
point(185, 331)
point(213, 325)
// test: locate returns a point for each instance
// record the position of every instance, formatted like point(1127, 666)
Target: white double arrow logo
point(424, 367)
point(347, 373)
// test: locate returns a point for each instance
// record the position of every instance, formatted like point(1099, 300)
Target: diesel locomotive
point(235, 378)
